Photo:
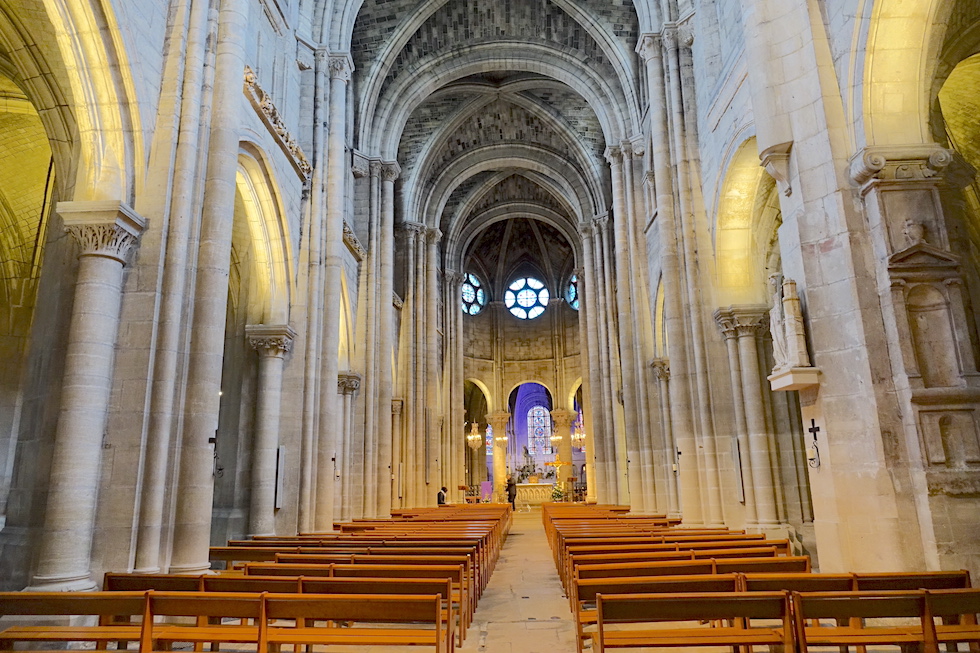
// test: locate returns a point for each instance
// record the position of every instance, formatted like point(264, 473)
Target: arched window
point(571, 293)
point(539, 430)
point(526, 298)
point(473, 296)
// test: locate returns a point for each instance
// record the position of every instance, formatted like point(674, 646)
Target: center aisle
point(522, 609)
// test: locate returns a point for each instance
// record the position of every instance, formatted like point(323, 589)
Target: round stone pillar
point(106, 232)
point(272, 342)
point(562, 423)
point(498, 421)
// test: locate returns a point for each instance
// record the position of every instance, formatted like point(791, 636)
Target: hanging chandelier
point(473, 438)
point(578, 434)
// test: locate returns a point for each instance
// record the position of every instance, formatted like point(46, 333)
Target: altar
point(533, 494)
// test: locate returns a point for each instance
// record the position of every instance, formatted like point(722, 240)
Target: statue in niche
point(776, 325)
point(786, 326)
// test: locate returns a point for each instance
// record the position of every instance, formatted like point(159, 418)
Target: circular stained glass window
point(473, 296)
point(571, 293)
point(526, 298)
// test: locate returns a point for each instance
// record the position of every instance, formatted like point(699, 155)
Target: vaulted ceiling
point(497, 112)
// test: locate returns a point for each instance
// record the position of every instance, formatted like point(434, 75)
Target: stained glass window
point(473, 296)
point(526, 298)
point(571, 293)
point(539, 430)
point(489, 440)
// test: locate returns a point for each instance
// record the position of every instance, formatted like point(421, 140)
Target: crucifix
point(813, 452)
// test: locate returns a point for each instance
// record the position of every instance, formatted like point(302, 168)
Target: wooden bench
point(959, 609)
point(117, 615)
point(584, 593)
point(685, 614)
point(409, 612)
point(856, 616)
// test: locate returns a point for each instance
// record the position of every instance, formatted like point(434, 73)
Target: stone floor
point(523, 609)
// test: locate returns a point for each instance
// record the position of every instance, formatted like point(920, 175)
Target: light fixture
point(578, 433)
point(474, 439)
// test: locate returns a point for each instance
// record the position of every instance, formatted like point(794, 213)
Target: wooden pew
point(585, 592)
point(117, 613)
point(859, 611)
point(407, 612)
point(702, 566)
point(683, 609)
point(959, 609)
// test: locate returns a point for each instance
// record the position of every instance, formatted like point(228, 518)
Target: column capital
point(600, 221)
point(669, 37)
point(390, 170)
point(498, 420)
point(648, 46)
point(361, 166)
point(454, 277)
point(396, 406)
point(375, 167)
point(748, 318)
point(433, 236)
point(563, 418)
point(899, 163)
point(348, 382)
point(414, 229)
point(726, 322)
point(341, 66)
point(270, 339)
point(614, 155)
point(102, 228)
point(661, 368)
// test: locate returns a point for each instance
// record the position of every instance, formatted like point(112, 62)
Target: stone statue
point(777, 328)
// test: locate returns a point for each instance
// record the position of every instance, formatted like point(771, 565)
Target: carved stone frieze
point(353, 244)
point(274, 122)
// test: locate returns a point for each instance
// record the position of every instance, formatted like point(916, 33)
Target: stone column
point(272, 342)
point(498, 421)
point(593, 377)
point(727, 323)
point(195, 483)
point(106, 232)
point(433, 429)
point(348, 383)
point(453, 316)
point(385, 462)
point(561, 420)
point(340, 67)
point(747, 322)
point(397, 483)
point(661, 368)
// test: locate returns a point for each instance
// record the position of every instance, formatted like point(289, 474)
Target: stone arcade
point(266, 261)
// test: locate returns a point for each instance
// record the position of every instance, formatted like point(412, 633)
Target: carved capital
point(360, 165)
point(341, 66)
point(396, 406)
point(669, 37)
point(454, 278)
point(748, 319)
point(270, 339)
point(562, 419)
point(103, 228)
point(661, 368)
point(600, 222)
point(413, 229)
point(899, 163)
point(390, 171)
point(585, 229)
point(376, 168)
point(396, 301)
point(498, 420)
point(433, 236)
point(726, 322)
point(648, 46)
point(348, 382)
point(775, 160)
point(614, 155)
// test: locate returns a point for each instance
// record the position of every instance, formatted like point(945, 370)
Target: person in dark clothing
point(441, 497)
point(511, 491)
